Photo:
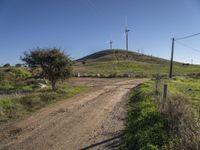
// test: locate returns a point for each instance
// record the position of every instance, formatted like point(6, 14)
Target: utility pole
point(111, 42)
point(172, 55)
point(126, 32)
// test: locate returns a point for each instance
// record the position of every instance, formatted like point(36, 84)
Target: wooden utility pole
point(172, 55)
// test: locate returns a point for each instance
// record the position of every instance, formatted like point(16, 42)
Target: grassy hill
point(121, 62)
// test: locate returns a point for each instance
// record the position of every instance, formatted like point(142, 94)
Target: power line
point(187, 46)
point(186, 37)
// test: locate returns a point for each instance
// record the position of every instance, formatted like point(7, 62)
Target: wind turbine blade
point(126, 22)
point(123, 36)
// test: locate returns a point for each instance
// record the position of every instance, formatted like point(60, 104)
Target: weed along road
point(90, 120)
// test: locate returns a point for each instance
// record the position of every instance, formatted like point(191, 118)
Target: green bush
point(31, 102)
point(9, 109)
point(150, 147)
point(14, 79)
point(48, 97)
point(5, 85)
point(19, 73)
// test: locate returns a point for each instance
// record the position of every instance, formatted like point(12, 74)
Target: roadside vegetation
point(188, 88)
point(19, 105)
point(25, 89)
point(145, 125)
point(54, 64)
point(154, 122)
point(12, 78)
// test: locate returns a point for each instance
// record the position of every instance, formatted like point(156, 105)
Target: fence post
point(165, 91)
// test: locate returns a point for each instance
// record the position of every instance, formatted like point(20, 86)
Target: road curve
point(90, 120)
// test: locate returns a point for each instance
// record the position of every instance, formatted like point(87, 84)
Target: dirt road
point(91, 120)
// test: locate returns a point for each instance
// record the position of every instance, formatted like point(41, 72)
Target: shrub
point(18, 65)
point(126, 75)
point(48, 97)
point(184, 128)
point(83, 62)
point(6, 65)
point(5, 85)
point(19, 73)
point(194, 75)
point(150, 147)
point(31, 102)
point(9, 109)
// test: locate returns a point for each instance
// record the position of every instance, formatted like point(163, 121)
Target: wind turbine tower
point(111, 42)
point(126, 33)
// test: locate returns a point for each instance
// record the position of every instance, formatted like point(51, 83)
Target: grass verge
point(157, 123)
point(12, 108)
point(145, 126)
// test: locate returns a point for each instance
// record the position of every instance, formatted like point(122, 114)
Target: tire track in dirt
point(91, 120)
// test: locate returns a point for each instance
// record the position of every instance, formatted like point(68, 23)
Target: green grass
point(9, 87)
point(13, 73)
point(156, 123)
point(12, 79)
point(188, 88)
point(12, 108)
point(109, 62)
point(135, 68)
point(145, 126)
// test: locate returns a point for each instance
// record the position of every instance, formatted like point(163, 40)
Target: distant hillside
point(122, 62)
point(119, 54)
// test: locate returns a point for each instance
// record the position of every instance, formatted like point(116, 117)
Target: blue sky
point(81, 27)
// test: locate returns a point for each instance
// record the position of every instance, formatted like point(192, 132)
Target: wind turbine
point(126, 33)
point(110, 43)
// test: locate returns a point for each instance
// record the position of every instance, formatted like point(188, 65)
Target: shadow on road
point(111, 143)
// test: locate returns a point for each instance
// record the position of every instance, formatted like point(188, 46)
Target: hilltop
point(121, 62)
point(120, 54)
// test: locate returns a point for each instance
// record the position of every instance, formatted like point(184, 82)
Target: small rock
point(98, 75)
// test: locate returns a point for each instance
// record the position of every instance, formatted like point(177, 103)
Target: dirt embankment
point(91, 120)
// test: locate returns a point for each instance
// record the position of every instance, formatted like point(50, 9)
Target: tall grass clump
point(183, 123)
point(184, 128)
